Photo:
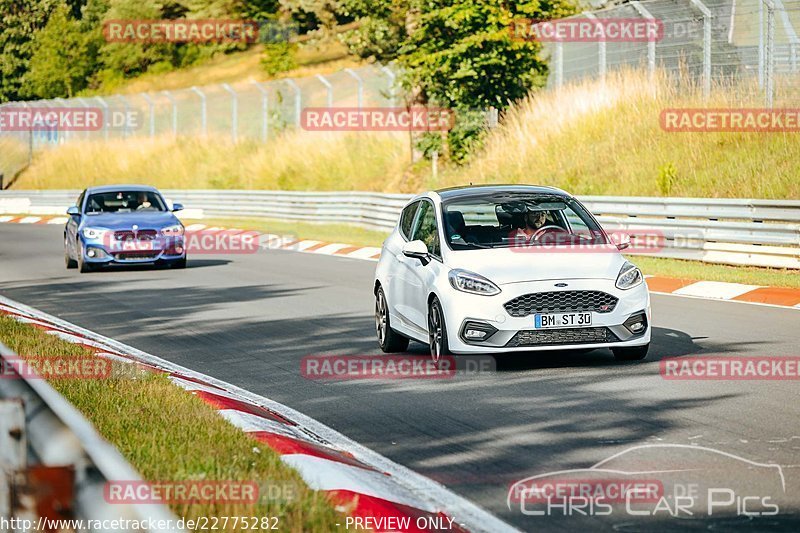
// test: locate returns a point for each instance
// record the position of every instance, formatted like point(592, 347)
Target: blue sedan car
point(123, 225)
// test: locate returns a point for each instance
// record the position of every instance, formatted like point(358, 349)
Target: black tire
point(437, 330)
point(180, 263)
point(389, 340)
point(634, 353)
point(68, 261)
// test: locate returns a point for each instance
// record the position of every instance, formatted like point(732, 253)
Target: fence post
point(298, 99)
point(601, 49)
point(559, 64)
point(105, 115)
point(328, 87)
point(264, 110)
point(174, 112)
point(706, 46)
point(84, 103)
point(769, 55)
point(392, 78)
point(360, 82)
point(234, 111)
point(651, 43)
point(761, 44)
point(125, 108)
point(151, 113)
point(203, 109)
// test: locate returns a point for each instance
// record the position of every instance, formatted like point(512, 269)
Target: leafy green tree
point(455, 53)
point(63, 58)
point(19, 21)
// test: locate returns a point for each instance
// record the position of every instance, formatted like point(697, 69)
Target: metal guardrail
point(53, 462)
point(730, 231)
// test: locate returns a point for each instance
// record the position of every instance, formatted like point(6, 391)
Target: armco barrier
point(728, 231)
point(40, 429)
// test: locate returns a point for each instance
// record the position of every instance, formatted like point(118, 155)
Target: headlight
point(629, 276)
point(94, 233)
point(172, 231)
point(465, 281)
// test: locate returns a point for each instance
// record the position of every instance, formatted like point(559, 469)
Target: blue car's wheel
point(68, 261)
point(83, 266)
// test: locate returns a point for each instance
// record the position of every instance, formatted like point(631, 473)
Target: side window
point(407, 219)
point(426, 229)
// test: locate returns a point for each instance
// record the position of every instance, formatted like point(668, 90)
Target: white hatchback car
point(485, 269)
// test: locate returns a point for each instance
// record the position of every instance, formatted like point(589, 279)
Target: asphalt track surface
point(250, 319)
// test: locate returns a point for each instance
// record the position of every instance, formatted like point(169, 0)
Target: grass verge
point(168, 434)
point(657, 266)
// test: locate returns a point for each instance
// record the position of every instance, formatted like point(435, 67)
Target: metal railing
point(730, 231)
point(40, 430)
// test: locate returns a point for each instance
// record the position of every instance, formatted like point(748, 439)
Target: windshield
point(124, 202)
point(518, 219)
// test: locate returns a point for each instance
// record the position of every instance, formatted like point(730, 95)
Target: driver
point(534, 220)
point(144, 203)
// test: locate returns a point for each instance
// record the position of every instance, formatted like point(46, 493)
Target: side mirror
point(416, 250)
point(177, 207)
point(622, 240)
point(74, 211)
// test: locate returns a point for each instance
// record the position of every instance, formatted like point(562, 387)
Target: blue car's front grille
point(140, 235)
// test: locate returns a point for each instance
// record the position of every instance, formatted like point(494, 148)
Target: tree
point(19, 20)
point(63, 58)
point(455, 53)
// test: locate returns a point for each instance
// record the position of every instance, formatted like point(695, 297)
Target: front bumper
point(102, 252)
point(512, 334)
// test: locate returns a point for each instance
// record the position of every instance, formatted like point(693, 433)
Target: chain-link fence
point(249, 110)
point(730, 42)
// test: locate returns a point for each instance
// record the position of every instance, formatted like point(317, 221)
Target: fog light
point(91, 253)
point(473, 331)
point(636, 323)
point(179, 249)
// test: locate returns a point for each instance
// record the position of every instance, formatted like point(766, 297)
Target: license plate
point(562, 320)
point(132, 245)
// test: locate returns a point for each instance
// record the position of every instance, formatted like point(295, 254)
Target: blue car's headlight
point(94, 233)
point(172, 231)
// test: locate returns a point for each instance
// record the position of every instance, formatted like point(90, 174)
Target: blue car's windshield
point(124, 202)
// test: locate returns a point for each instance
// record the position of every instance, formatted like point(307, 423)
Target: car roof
point(121, 187)
point(481, 190)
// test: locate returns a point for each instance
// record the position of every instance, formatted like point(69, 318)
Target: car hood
point(145, 220)
point(507, 265)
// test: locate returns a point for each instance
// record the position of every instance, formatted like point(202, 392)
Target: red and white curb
point(730, 292)
point(359, 481)
point(711, 290)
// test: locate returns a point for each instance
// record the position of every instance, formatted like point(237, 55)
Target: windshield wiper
point(473, 245)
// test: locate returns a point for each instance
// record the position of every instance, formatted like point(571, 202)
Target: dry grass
point(169, 435)
point(596, 138)
point(298, 161)
point(588, 138)
point(237, 67)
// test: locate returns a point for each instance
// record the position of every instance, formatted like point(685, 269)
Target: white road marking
point(715, 289)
